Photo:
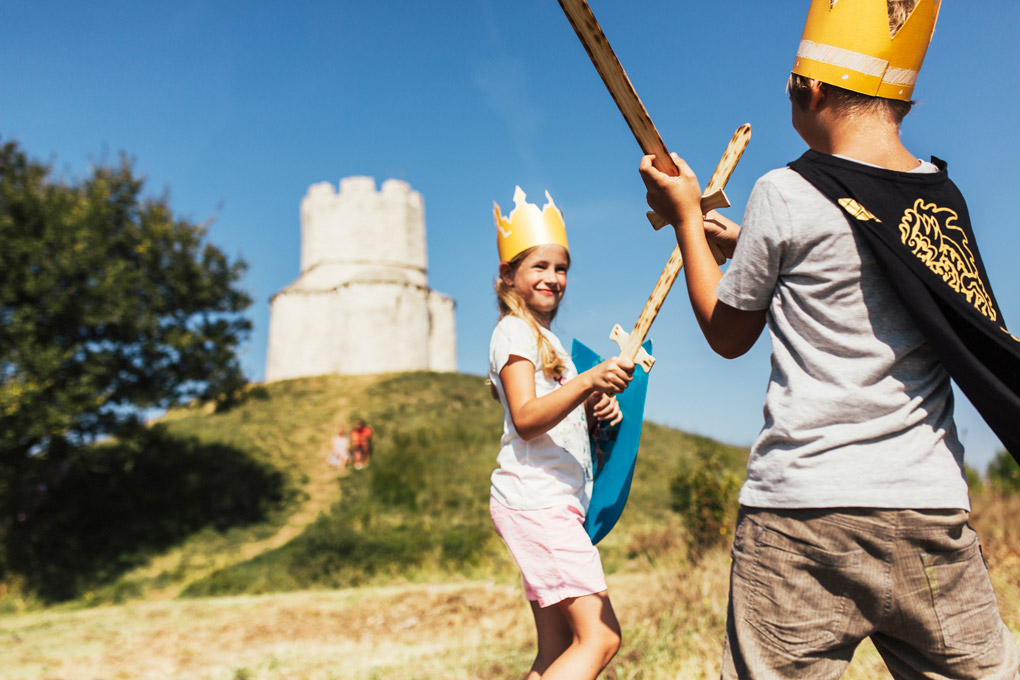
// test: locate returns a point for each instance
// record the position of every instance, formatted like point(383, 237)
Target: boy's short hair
point(846, 100)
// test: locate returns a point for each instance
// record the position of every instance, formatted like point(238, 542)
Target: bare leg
point(554, 636)
point(576, 638)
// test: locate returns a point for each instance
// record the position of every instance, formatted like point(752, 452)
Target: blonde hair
point(511, 303)
point(899, 12)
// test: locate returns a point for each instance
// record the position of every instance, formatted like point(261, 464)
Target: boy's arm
point(730, 332)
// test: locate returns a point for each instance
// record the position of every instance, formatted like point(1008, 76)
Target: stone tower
point(362, 302)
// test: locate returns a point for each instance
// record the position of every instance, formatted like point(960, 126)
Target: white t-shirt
point(553, 468)
point(859, 411)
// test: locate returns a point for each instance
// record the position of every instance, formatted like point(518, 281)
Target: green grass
point(218, 483)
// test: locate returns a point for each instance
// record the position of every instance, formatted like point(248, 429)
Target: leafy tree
point(109, 305)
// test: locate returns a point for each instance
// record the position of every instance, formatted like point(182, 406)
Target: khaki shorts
point(807, 586)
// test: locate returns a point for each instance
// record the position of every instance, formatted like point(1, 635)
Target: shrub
point(1004, 473)
point(975, 483)
point(705, 496)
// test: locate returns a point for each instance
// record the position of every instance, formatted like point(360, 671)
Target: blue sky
point(235, 108)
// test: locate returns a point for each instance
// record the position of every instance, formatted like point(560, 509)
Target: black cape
point(919, 229)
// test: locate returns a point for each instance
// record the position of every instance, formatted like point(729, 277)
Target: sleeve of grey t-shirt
point(750, 280)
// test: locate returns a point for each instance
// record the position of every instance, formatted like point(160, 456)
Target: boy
point(853, 519)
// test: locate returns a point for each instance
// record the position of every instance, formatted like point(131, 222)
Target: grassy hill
point(243, 502)
point(390, 572)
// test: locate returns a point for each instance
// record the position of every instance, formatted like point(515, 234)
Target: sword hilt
point(630, 350)
point(714, 196)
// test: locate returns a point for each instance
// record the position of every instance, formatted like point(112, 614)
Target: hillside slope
point(253, 507)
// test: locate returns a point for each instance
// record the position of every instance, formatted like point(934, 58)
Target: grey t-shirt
point(859, 411)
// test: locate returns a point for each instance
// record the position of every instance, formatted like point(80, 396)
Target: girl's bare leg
point(554, 636)
point(578, 641)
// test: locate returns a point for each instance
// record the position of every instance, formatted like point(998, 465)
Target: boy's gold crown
point(848, 43)
point(527, 226)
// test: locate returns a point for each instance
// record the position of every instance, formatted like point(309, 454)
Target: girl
point(541, 489)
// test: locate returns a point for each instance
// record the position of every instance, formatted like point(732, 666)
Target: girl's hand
point(675, 199)
point(612, 376)
point(606, 408)
point(722, 231)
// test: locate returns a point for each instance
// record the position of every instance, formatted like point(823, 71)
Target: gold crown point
point(527, 226)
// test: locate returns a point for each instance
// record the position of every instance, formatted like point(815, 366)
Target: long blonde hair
point(512, 304)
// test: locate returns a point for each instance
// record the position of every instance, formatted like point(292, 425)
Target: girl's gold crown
point(527, 226)
point(848, 43)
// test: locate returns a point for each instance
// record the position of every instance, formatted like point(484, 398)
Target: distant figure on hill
point(340, 453)
point(361, 444)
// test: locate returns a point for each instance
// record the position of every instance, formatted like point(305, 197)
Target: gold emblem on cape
point(857, 210)
point(932, 235)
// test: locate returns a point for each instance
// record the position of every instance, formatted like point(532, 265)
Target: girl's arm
point(533, 415)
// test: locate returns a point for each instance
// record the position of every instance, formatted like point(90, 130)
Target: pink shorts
point(553, 551)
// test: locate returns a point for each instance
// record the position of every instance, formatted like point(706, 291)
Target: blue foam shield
point(613, 449)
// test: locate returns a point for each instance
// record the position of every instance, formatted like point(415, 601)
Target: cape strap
point(918, 227)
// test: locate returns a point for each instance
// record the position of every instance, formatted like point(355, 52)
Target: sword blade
point(611, 71)
point(622, 90)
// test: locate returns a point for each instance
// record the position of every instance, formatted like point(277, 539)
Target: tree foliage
point(109, 305)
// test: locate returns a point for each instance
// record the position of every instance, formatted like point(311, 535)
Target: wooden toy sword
point(640, 123)
point(630, 344)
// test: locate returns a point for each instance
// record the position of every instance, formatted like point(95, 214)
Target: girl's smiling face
point(540, 279)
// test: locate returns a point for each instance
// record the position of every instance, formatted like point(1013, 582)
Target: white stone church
point(362, 303)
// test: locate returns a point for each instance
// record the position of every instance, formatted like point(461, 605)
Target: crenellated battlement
point(362, 302)
point(358, 223)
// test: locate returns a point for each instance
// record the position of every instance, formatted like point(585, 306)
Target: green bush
point(975, 483)
point(1004, 473)
point(704, 493)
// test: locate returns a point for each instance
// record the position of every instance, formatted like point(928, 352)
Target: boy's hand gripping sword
point(630, 345)
point(640, 123)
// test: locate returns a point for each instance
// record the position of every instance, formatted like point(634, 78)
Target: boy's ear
point(818, 91)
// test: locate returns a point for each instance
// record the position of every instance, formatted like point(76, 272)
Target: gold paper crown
point(848, 43)
point(527, 226)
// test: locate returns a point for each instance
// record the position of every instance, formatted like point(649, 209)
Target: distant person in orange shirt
point(361, 444)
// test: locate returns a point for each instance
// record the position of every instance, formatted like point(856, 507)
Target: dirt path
point(321, 489)
point(311, 446)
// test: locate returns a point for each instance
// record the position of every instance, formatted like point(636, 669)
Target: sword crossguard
point(717, 200)
point(714, 197)
point(641, 357)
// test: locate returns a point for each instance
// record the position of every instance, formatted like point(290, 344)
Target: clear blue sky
point(235, 108)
